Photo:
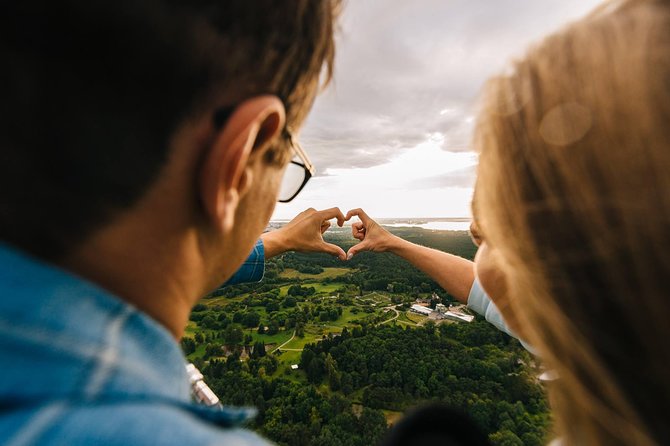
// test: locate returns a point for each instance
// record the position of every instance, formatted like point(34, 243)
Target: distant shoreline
point(431, 224)
point(417, 220)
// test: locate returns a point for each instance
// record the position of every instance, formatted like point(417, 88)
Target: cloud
point(400, 64)
point(406, 71)
point(459, 178)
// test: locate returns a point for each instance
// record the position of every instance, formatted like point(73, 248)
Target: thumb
point(358, 247)
point(334, 250)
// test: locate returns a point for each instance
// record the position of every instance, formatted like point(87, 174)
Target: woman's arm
point(454, 274)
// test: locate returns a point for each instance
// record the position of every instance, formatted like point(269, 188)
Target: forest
point(329, 354)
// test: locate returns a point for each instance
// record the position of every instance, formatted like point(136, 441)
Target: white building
point(441, 308)
point(421, 310)
point(458, 317)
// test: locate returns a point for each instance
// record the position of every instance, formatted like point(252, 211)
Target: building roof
point(459, 316)
point(420, 309)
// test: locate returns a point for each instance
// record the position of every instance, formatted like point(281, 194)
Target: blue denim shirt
point(82, 367)
point(253, 268)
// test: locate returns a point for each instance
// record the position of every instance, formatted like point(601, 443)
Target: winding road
point(292, 336)
point(397, 313)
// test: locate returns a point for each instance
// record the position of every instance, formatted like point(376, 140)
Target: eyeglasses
point(298, 171)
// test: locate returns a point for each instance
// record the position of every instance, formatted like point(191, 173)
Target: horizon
point(393, 218)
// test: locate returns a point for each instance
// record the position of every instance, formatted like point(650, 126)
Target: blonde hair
point(573, 192)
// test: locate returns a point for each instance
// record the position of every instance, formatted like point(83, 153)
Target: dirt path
point(292, 336)
point(397, 313)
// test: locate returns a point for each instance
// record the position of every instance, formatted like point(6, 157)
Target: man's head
point(107, 101)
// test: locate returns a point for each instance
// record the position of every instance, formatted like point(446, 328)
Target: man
point(143, 148)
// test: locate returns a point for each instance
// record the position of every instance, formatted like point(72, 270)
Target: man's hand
point(304, 234)
point(372, 236)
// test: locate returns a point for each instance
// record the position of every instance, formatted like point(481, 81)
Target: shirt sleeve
point(253, 269)
point(480, 302)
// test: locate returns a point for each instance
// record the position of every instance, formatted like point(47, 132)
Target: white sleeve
point(480, 302)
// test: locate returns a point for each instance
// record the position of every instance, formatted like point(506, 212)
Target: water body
point(459, 225)
point(432, 224)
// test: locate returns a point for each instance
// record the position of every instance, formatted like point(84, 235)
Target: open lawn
point(326, 287)
point(403, 319)
point(313, 333)
point(286, 359)
point(299, 343)
point(347, 317)
point(289, 357)
point(191, 329)
point(416, 318)
point(278, 339)
point(319, 287)
point(198, 353)
point(326, 274)
point(223, 300)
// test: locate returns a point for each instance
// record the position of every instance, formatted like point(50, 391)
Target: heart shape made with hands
point(305, 232)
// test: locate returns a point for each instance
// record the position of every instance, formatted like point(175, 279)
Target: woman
point(573, 211)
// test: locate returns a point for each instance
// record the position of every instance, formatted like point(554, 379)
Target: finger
point(360, 213)
point(358, 230)
point(475, 234)
point(300, 216)
point(334, 250)
point(362, 246)
point(333, 213)
point(324, 226)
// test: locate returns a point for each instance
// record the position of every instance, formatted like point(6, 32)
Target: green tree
point(273, 328)
point(300, 330)
point(187, 345)
point(251, 319)
point(289, 301)
point(505, 438)
point(233, 335)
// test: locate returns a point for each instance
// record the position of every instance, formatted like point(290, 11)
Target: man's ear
point(225, 174)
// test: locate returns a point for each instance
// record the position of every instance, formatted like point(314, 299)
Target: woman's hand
point(372, 236)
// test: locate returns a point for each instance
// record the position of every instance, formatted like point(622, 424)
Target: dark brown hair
point(92, 92)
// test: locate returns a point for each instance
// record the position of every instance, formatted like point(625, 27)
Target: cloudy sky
point(392, 133)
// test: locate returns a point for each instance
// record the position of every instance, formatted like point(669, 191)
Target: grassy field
point(198, 353)
point(223, 300)
point(348, 316)
point(326, 288)
point(286, 359)
point(416, 318)
point(191, 329)
point(290, 357)
point(326, 274)
point(278, 339)
point(403, 319)
point(299, 343)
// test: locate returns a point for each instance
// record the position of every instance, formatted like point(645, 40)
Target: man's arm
point(304, 233)
point(253, 268)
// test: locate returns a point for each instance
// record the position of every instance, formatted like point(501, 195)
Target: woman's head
point(573, 204)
